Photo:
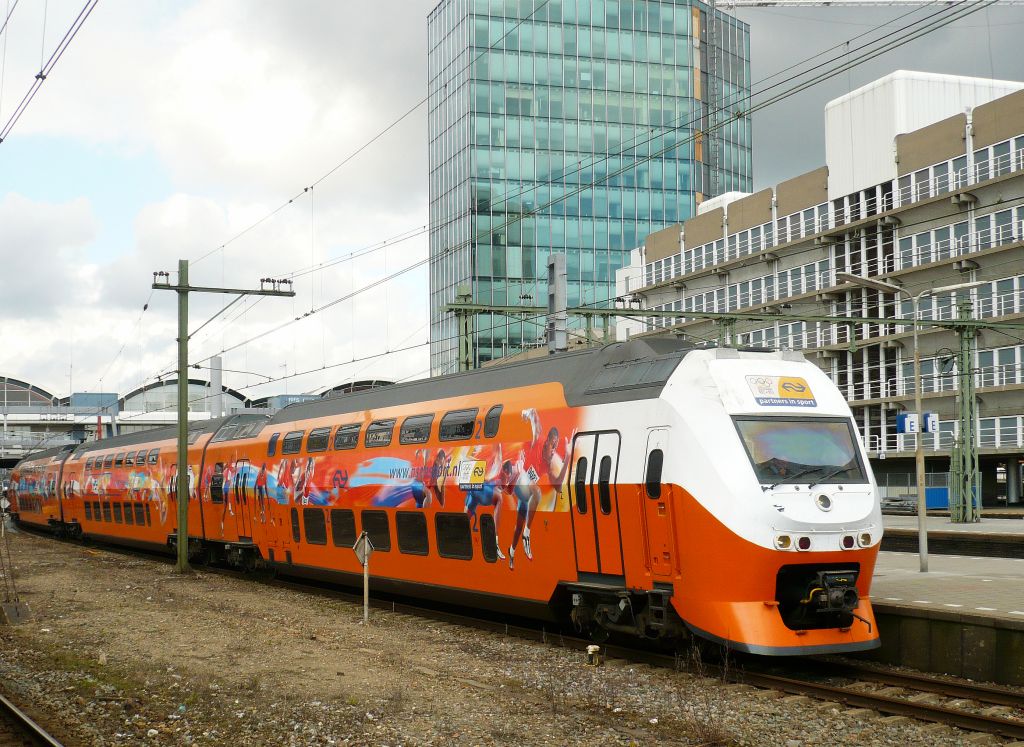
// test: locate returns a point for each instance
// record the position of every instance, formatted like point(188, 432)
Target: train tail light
point(848, 542)
point(804, 543)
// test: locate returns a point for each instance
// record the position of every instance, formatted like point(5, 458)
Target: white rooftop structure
point(860, 127)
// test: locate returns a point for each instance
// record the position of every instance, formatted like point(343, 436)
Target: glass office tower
point(568, 126)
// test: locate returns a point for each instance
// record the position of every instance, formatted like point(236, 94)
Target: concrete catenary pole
point(182, 491)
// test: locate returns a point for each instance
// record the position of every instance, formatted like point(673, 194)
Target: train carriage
point(646, 487)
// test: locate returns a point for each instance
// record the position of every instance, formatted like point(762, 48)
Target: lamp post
point(881, 285)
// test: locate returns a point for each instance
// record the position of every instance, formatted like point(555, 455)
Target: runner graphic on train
point(537, 459)
point(497, 484)
point(261, 492)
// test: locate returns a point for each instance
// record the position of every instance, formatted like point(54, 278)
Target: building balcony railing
point(822, 218)
point(1005, 432)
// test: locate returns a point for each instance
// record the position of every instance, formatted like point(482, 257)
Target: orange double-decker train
point(645, 487)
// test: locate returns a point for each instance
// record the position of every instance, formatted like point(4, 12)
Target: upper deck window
point(379, 433)
point(415, 429)
point(347, 437)
point(492, 421)
point(292, 443)
point(458, 425)
point(318, 439)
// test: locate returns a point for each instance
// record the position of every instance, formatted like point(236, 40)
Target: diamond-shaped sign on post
point(363, 548)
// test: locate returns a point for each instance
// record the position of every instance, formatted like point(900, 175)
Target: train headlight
point(848, 542)
point(804, 543)
point(865, 539)
point(824, 502)
point(783, 542)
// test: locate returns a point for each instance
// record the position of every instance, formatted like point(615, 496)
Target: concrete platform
point(964, 617)
point(998, 538)
point(1009, 526)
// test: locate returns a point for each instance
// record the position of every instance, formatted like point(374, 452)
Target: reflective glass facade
point(567, 126)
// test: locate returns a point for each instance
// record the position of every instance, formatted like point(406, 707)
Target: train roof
point(621, 371)
point(159, 434)
point(44, 453)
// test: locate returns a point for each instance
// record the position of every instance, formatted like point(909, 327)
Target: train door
point(240, 494)
point(594, 505)
point(657, 512)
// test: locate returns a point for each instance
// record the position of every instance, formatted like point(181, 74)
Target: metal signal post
point(162, 281)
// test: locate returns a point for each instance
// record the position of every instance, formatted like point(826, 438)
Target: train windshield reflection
point(789, 450)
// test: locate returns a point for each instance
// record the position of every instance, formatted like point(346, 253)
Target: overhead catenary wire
point(330, 172)
point(930, 25)
point(921, 31)
point(47, 68)
point(642, 160)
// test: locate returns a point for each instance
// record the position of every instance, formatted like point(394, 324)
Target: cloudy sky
point(169, 128)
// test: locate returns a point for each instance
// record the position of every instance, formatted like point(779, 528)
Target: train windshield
point(802, 450)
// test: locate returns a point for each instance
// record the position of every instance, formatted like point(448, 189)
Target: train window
point(119, 459)
point(488, 538)
point(411, 528)
point(193, 436)
point(153, 454)
point(296, 534)
point(129, 517)
point(129, 459)
point(492, 421)
point(88, 464)
point(316, 526)
point(580, 485)
point(149, 517)
point(652, 481)
point(454, 539)
point(96, 515)
point(217, 483)
point(375, 524)
point(415, 429)
point(88, 511)
point(108, 461)
point(457, 425)
point(604, 490)
point(117, 513)
point(379, 433)
point(140, 513)
point(292, 443)
point(347, 437)
point(343, 527)
point(140, 458)
point(318, 439)
point(272, 444)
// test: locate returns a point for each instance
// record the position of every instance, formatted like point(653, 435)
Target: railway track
point(17, 728)
point(957, 703)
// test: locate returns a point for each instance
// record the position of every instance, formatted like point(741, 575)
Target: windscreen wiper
point(790, 478)
point(825, 477)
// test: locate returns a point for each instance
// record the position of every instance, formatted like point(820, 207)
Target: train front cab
point(35, 489)
point(777, 512)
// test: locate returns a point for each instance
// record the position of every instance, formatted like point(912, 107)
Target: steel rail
point(1006, 727)
point(24, 722)
point(924, 683)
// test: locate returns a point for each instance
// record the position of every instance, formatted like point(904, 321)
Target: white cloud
point(41, 247)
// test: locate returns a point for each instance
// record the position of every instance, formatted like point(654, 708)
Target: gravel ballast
point(121, 650)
